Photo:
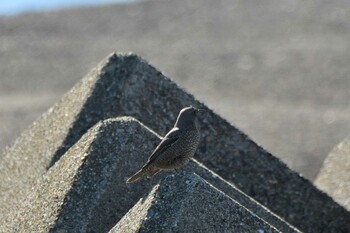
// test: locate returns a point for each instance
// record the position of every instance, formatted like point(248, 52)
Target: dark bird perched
point(176, 148)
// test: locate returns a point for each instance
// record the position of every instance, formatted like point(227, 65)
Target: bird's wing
point(166, 142)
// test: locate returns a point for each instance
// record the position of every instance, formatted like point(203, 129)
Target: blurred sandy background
point(278, 70)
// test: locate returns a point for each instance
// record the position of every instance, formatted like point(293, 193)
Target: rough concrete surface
point(277, 70)
point(186, 203)
point(334, 177)
point(234, 193)
point(63, 198)
point(85, 191)
point(77, 184)
point(128, 85)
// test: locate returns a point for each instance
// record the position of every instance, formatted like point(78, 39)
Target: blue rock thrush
point(176, 148)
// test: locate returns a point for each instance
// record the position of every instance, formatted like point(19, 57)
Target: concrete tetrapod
point(186, 203)
point(85, 190)
point(128, 85)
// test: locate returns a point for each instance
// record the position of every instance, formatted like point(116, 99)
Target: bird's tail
point(150, 172)
point(137, 176)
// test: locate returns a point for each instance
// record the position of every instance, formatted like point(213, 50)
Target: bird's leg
point(176, 170)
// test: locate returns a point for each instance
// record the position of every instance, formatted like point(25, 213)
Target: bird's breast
point(180, 152)
point(188, 143)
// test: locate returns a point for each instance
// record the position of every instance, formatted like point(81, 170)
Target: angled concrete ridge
point(65, 199)
point(237, 195)
point(186, 203)
point(334, 176)
point(128, 85)
point(86, 191)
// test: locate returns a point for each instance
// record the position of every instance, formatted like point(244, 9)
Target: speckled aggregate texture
point(85, 191)
point(63, 199)
point(237, 195)
point(334, 177)
point(186, 203)
point(127, 85)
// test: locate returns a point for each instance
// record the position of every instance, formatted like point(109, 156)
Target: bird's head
point(187, 117)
